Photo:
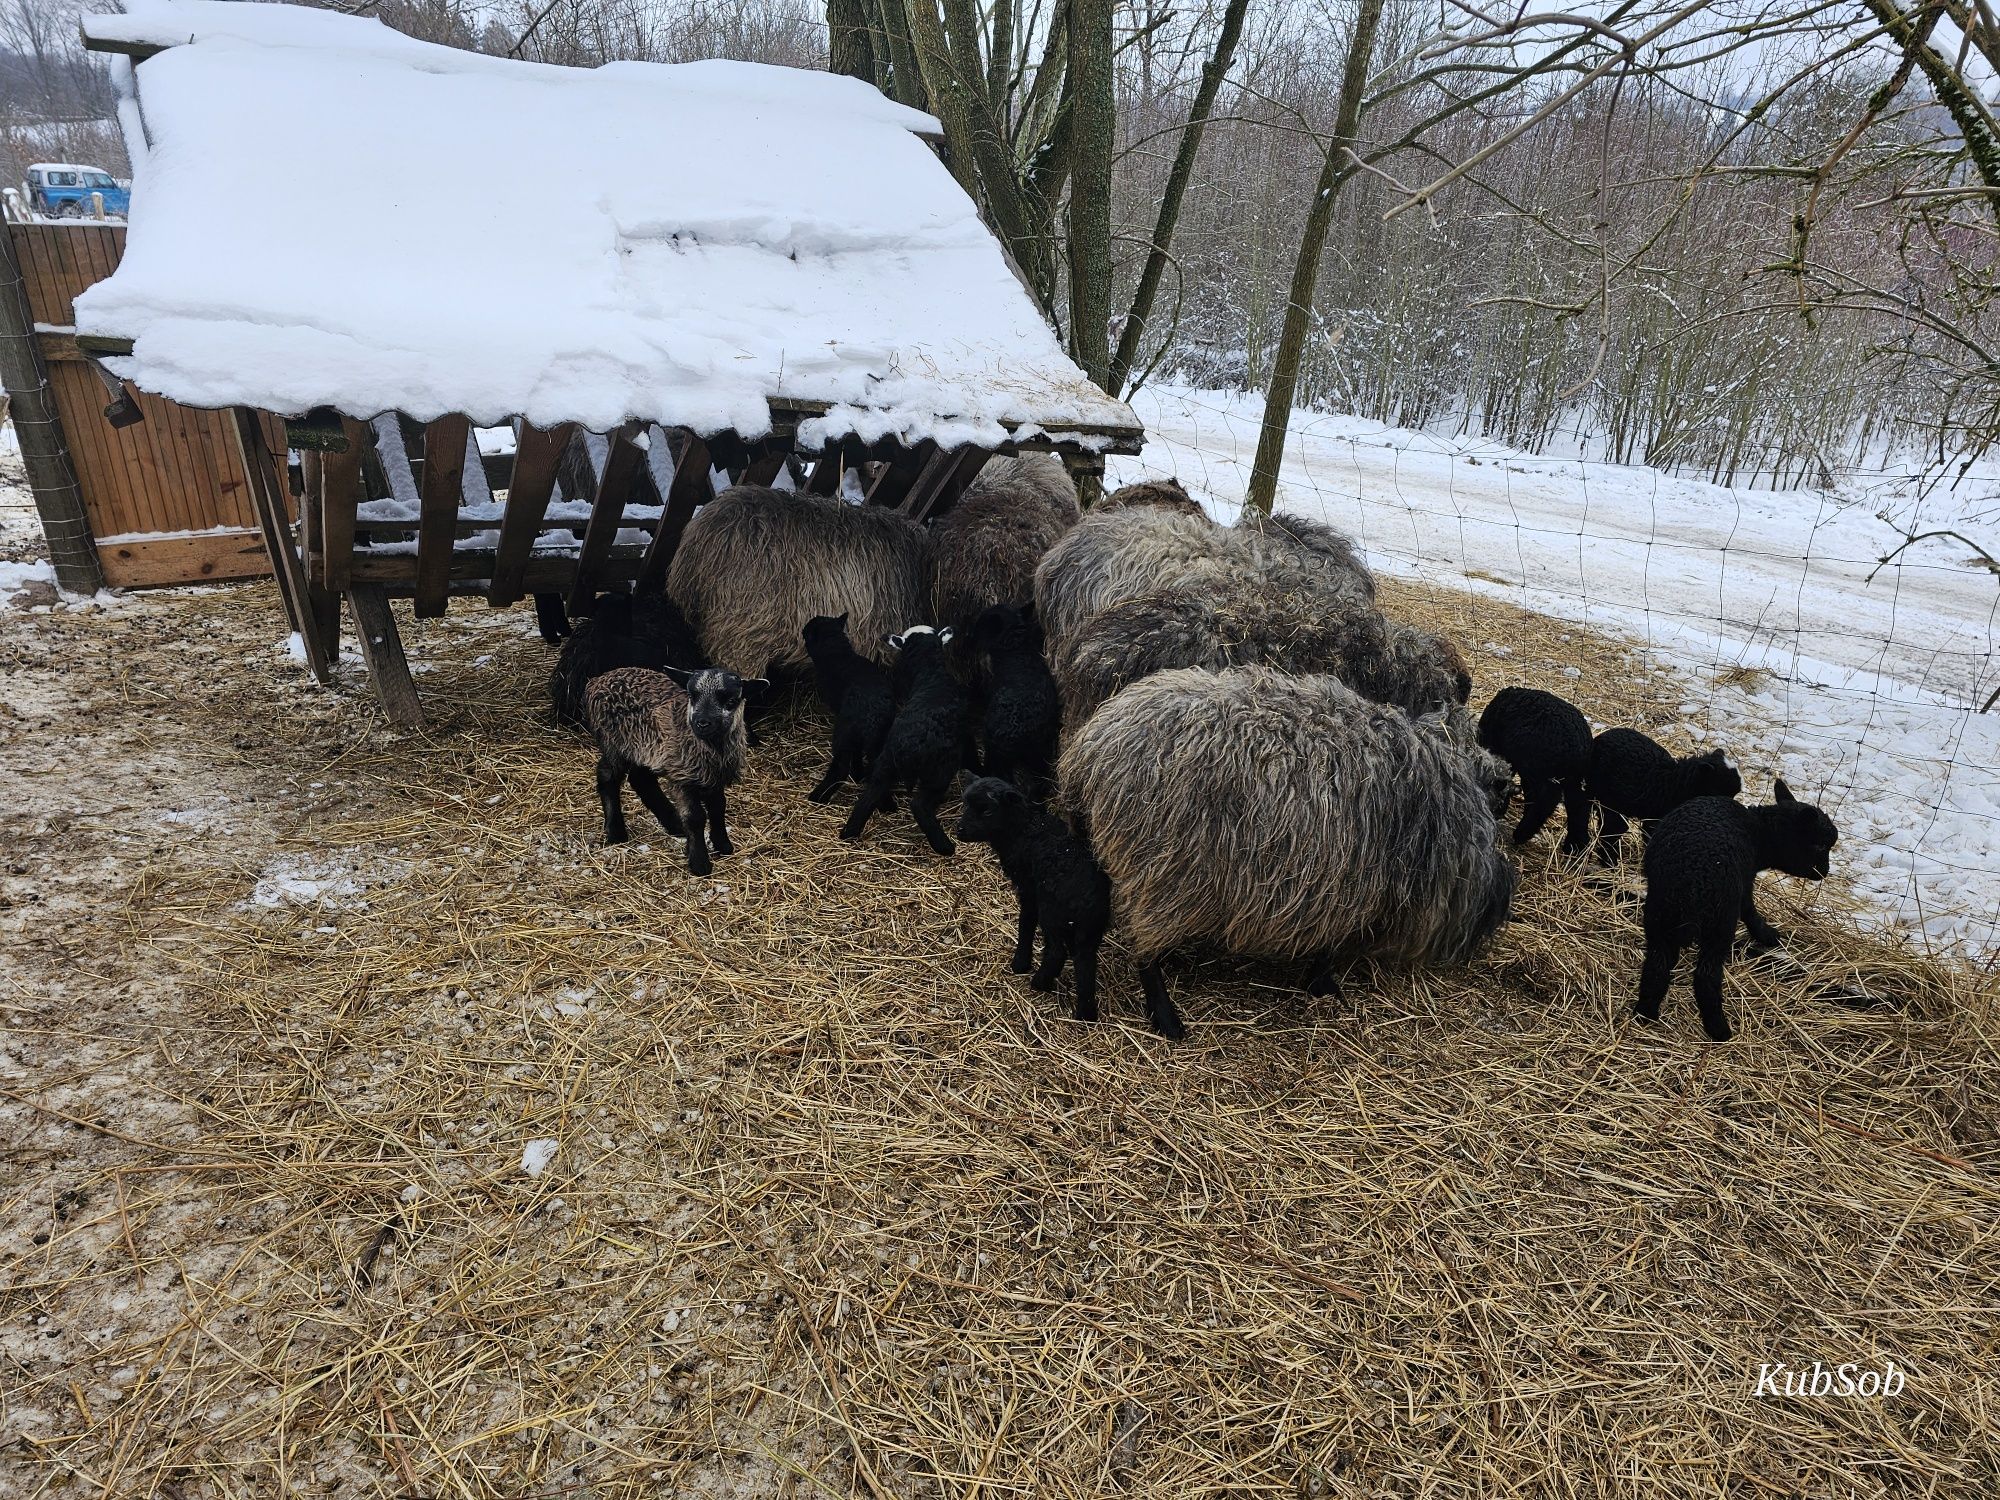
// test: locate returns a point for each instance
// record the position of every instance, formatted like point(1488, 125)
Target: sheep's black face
point(1807, 850)
point(1715, 777)
point(1002, 627)
point(715, 704)
point(825, 630)
point(989, 807)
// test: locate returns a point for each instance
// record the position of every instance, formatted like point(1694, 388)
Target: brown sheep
point(987, 545)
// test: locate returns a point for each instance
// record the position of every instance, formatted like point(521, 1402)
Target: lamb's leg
point(1609, 832)
point(968, 756)
point(836, 774)
point(696, 817)
point(610, 778)
point(1576, 817)
point(873, 795)
point(551, 618)
point(1709, 962)
point(1088, 939)
point(1159, 1008)
point(716, 803)
point(1055, 953)
point(1024, 935)
point(1538, 804)
point(924, 799)
point(1656, 974)
point(1321, 982)
point(647, 785)
point(1762, 934)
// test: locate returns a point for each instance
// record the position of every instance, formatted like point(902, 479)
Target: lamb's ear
point(679, 674)
point(944, 636)
point(896, 641)
point(1782, 792)
point(842, 618)
point(754, 688)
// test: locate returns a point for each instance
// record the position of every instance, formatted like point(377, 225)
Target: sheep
point(928, 743)
point(1284, 817)
point(987, 545)
point(1241, 620)
point(1633, 776)
point(685, 726)
point(552, 618)
point(1546, 739)
point(857, 690)
point(619, 631)
point(1333, 549)
point(1701, 869)
point(1056, 882)
point(1022, 719)
point(1114, 555)
point(1165, 494)
point(755, 564)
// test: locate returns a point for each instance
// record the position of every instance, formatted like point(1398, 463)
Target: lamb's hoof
point(1169, 1026)
point(945, 847)
point(614, 838)
point(1323, 987)
point(751, 737)
point(1042, 983)
point(1720, 1033)
point(1086, 1013)
point(1021, 963)
point(850, 833)
point(1645, 1017)
point(816, 795)
point(721, 846)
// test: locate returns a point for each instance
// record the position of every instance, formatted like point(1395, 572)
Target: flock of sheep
point(1211, 734)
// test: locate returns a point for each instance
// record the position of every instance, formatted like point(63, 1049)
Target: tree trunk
point(1093, 122)
point(1178, 178)
point(1305, 274)
point(848, 49)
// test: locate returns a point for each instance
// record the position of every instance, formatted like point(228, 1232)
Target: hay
point(840, 1207)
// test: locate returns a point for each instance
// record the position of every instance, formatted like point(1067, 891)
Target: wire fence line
point(1796, 648)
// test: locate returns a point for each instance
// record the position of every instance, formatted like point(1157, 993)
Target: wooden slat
point(959, 470)
point(538, 454)
point(900, 473)
point(548, 572)
point(145, 562)
point(322, 604)
point(689, 488)
point(607, 514)
point(443, 488)
point(382, 655)
point(826, 472)
point(764, 467)
point(339, 495)
point(267, 490)
point(936, 468)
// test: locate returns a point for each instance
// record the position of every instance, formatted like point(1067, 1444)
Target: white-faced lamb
point(755, 564)
point(619, 631)
point(986, 546)
point(1057, 885)
point(1546, 739)
point(928, 744)
point(1236, 620)
point(681, 728)
point(1701, 869)
point(1633, 776)
point(857, 690)
point(1287, 817)
point(1022, 718)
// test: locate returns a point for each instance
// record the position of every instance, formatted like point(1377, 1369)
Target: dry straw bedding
point(841, 1207)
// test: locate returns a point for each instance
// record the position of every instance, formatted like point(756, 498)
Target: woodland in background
point(1750, 240)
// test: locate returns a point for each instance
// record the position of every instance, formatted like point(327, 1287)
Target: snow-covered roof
point(684, 244)
point(63, 166)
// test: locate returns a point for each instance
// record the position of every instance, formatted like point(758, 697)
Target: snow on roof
point(63, 166)
point(680, 243)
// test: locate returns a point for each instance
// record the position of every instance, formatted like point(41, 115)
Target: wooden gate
point(165, 496)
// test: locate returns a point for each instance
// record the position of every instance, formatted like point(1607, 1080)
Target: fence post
point(51, 475)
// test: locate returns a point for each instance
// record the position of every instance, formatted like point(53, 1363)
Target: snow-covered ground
point(1868, 688)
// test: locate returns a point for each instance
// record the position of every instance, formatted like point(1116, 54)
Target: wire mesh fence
point(1780, 633)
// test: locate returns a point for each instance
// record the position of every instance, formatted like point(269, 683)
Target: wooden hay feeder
point(719, 273)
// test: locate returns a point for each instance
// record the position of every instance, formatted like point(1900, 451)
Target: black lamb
point(1546, 740)
point(930, 740)
point(620, 631)
point(857, 690)
point(1701, 872)
point(1023, 717)
point(1058, 884)
point(1634, 776)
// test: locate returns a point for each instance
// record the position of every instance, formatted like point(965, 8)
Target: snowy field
point(1861, 693)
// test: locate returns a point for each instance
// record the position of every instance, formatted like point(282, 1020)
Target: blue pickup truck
point(61, 190)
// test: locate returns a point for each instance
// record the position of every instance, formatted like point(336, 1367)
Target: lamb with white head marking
point(678, 737)
point(929, 742)
point(1287, 817)
point(1701, 869)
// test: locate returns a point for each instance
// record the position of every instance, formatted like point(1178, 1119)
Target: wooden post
point(51, 476)
point(267, 496)
point(382, 654)
point(690, 488)
point(322, 605)
point(340, 477)
point(443, 487)
point(538, 453)
point(614, 484)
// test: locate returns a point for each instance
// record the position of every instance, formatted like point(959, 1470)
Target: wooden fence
point(166, 496)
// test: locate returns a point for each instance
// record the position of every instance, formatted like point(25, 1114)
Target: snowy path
point(1866, 687)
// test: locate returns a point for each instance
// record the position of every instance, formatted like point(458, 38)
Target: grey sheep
point(1287, 817)
point(1114, 555)
point(1239, 620)
point(987, 545)
point(756, 564)
point(683, 728)
point(1167, 494)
